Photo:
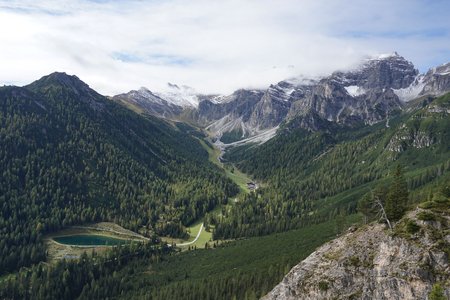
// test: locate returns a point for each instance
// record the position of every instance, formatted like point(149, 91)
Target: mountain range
point(366, 94)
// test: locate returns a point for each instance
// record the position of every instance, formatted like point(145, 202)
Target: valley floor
point(231, 171)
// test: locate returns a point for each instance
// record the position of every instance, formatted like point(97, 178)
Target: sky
point(214, 46)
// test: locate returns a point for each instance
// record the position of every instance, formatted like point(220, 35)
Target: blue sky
point(213, 46)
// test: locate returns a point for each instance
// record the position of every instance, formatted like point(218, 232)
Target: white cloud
point(214, 46)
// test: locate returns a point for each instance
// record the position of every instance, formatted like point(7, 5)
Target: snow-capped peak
point(145, 91)
point(385, 55)
point(183, 95)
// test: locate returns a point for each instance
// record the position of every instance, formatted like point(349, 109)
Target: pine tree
point(397, 198)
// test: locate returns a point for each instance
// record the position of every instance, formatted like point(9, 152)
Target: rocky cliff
point(437, 80)
point(375, 263)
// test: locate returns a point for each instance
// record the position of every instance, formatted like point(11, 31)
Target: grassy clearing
point(239, 178)
point(204, 237)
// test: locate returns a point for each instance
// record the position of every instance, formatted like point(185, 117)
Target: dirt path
point(196, 238)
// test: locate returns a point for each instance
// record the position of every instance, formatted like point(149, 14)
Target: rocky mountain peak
point(61, 79)
point(149, 102)
point(144, 90)
point(143, 94)
point(383, 71)
point(65, 84)
point(362, 95)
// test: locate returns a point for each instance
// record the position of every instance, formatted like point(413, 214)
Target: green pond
point(89, 240)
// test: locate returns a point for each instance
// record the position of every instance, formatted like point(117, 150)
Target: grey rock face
point(364, 95)
point(239, 104)
point(361, 96)
point(437, 80)
point(273, 107)
point(389, 71)
point(369, 264)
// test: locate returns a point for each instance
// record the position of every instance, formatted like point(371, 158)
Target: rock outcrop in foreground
point(374, 263)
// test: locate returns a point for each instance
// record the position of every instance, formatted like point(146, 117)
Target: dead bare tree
point(381, 213)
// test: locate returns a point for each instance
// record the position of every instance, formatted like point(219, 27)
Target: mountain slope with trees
point(314, 176)
point(69, 155)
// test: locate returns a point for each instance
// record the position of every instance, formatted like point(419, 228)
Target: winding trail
point(196, 238)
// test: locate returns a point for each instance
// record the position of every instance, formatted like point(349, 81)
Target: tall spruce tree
point(397, 197)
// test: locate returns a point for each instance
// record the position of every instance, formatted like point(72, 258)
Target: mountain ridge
point(368, 93)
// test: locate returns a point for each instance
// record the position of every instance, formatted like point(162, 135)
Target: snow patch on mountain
point(282, 91)
point(354, 90)
point(411, 92)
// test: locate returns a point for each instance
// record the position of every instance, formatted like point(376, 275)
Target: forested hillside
point(69, 155)
point(313, 176)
